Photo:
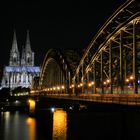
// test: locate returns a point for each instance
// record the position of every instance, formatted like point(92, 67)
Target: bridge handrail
point(128, 99)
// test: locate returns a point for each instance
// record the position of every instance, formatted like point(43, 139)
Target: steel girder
point(113, 54)
point(54, 71)
point(57, 70)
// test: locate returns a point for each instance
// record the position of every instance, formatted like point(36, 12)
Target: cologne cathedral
point(21, 70)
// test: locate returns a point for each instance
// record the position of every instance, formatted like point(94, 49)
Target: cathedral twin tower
point(27, 57)
point(21, 69)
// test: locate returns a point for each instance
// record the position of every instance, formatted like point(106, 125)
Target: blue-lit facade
point(21, 70)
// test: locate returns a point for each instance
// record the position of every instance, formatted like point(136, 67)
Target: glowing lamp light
point(81, 84)
point(72, 85)
point(131, 77)
point(104, 83)
point(89, 84)
point(138, 81)
point(108, 81)
point(92, 83)
point(32, 91)
point(63, 87)
point(127, 80)
point(58, 88)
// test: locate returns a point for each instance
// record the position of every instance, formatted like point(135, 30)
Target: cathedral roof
point(32, 69)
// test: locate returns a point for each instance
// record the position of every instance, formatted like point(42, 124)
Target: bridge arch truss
point(111, 63)
point(55, 74)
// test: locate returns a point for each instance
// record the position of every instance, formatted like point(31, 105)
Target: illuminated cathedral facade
point(21, 70)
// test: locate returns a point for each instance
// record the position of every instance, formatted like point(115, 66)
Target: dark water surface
point(62, 125)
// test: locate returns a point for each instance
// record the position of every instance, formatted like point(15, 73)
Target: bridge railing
point(127, 99)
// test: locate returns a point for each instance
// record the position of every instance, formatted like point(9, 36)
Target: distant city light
point(52, 109)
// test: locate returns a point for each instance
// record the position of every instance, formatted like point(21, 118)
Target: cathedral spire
point(28, 44)
point(14, 54)
point(29, 55)
point(14, 44)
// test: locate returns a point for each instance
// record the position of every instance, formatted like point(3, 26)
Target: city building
point(21, 69)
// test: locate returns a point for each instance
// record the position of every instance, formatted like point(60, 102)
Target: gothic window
point(6, 82)
point(28, 58)
point(24, 78)
point(15, 78)
point(14, 57)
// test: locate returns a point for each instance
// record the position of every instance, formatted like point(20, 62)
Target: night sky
point(52, 24)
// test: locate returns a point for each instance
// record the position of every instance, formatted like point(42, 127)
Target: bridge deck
point(126, 99)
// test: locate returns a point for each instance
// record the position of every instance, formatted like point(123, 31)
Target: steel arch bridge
point(110, 64)
point(57, 70)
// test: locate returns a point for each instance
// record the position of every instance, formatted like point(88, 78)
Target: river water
point(62, 125)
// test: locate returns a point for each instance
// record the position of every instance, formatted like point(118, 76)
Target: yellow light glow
point(32, 91)
point(58, 88)
point(131, 77)
point(31, 105)
point(63, 87)
point(108, 81)
point(92, 83)
point(59, 125)
point(72, 85)
point(104, 83)
point(81, 84)
point(89, 84)
point(32, 127)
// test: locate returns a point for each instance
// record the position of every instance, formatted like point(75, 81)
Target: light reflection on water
point(32, 128)
point(11, 126)
point(16, 126)
point(59, 125)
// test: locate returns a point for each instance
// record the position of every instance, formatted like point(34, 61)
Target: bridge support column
point(74, 86)
point(94, 78)
point(110, 68)
point(82, 79)
point(121, 64)
point(102, 86)
point(77, 88)
point(88, 88)
point(69, 76)
point(135, 72)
